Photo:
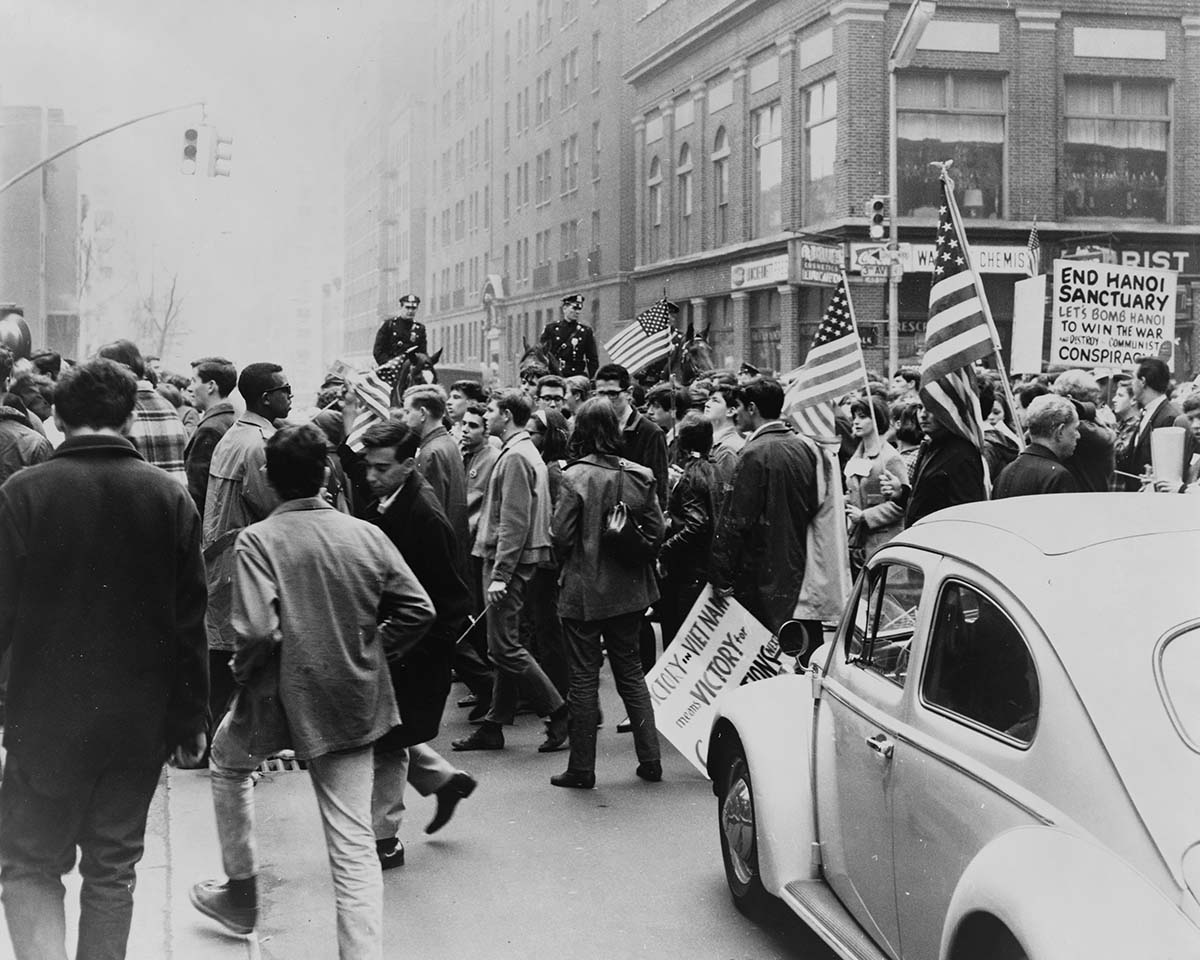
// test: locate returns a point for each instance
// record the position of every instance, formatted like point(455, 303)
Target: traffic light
point(877, 209)
point(220, 153)
point(191, 148)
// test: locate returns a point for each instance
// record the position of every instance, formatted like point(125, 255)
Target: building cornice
point(1030, 19)
point(875, 11)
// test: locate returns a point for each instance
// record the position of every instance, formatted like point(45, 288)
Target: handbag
point(623, 534)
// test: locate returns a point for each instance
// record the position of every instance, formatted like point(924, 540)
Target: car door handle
point(881, 745)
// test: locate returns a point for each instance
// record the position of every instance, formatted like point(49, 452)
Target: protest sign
point(719, 646)
point(1108, 315)
point(1029, 325)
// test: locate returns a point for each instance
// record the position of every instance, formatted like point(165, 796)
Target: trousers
point(343, 783)
point(422, 766)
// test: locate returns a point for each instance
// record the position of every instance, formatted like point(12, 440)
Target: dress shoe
point(458, 787)
point(578, 779)
point(213, 899)
point(650, 770)
point(468, 701)
point(478, 712)
point(625, 726)
point(488, 736)
point(556, 731)
point(391, 853)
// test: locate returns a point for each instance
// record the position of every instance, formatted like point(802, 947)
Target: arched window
point(683, 197)
point(653, 209)
point(720, 162)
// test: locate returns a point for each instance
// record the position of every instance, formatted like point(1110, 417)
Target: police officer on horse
point(570, 343)
point(401, 336)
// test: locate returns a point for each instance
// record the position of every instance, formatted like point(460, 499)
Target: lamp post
point(903, 51)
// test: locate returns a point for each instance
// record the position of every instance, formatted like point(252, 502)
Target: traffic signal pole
point(95, 136)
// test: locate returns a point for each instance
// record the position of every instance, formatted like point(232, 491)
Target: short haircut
point(1155, 373)
point(479, 409)
point(125, 352)
point(1078, 385)
point(296, 459)
point(694, 434)
point(875, 408)
point(727, 387)
point(393, 434)
point(516, 403)
point(614, 371)
point(1030, 392)
point(579, 385)
point(911, 375)
point(256, 379)
point(471, 389)
point(533, 371)
point(1191, 403)
point(551, 380)
point(765, 393)
point(220, 371)
point(429, 397)
point(596, 428)
point(170, 393)
point(96, 394)
point(662, 395)
point(1047, 413)
point(47, 362)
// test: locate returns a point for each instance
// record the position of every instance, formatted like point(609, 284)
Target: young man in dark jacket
point(102, 605)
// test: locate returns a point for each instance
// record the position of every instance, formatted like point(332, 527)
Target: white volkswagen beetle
point(998, 755)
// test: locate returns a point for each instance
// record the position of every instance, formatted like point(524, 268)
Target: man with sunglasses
point(238, 495)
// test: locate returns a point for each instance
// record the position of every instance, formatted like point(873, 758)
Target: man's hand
point(853, 512)
point(349, 410)
point(497, 590)
point(188, 753)
point(890, 485)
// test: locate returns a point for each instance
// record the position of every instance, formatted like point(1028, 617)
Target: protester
point(306, 581)
point(410, 514)
point(579, 388)
point(1126, 414)
point(663, 403)
point(906, 433)
point(101, 606)
point(1042, 466)
point(727, 441)
point(551, 393)
point(948, 471)
point(157, 432)
point(1094, 458)
point(213, 380)
point(872, 518)
point(513, 538)
point(603, 597)
point(760, 543)
point(20, 445)
point(1150, 385)
point(1000, 441)
point(462, 394)
point(439, 458)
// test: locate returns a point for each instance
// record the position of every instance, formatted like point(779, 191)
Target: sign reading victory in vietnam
point(719, 646)
point(1108, 315)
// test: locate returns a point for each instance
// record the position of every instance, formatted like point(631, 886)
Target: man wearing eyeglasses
point(238, 495)
point(551, 393)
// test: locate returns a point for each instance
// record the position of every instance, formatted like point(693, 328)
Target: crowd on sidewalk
point(185, 577)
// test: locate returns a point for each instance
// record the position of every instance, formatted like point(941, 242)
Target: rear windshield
point(1179, 680)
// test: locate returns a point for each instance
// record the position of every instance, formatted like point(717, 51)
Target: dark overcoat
point(1036, 470)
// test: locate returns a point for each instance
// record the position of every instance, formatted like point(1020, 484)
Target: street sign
point(873, 262)
point(821, 263)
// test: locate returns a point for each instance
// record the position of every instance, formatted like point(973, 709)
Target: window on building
point(460, 159)
point(569, 79)
point(596, 150)
point(720, 162)
point(653, 209)
point(683, 198)
point(950, 116)
point(596, 61)
point(487, 206)
point(766, 127)
point(570, 11)
point(570, 164)
point(595, 244)
point(507, 261)
point(525, 116)
point(820, 150)
point(1116, 147)
point(507, 53)
point(460, 219)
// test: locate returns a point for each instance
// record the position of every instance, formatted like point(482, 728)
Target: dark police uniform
point(398, 336)
point(573, 345)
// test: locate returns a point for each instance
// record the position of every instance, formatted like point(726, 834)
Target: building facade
point(761, 135)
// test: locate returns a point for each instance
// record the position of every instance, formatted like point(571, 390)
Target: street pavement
point(524, 869)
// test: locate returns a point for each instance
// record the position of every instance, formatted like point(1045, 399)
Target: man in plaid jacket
point(157, 432)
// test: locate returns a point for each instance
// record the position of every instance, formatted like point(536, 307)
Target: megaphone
point(14, 335)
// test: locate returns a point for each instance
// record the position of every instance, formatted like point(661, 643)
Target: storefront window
point(765, 307)
point(950, 116)
point(1115, 154)
point(820, 149)
point(767, 129)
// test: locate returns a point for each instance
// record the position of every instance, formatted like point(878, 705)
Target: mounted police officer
point(571, 343)
point(401, 335)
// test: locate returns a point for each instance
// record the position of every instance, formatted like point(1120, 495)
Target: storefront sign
point(759, 273)
point(821, 263)
point(918, 257)
point(1108, 315)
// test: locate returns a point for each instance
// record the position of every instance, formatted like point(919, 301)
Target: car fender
point(773, 720)
point(1063, 896)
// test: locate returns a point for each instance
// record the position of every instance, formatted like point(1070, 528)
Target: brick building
point(760, 129)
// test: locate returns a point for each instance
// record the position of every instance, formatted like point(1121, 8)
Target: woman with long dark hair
point(602, 595)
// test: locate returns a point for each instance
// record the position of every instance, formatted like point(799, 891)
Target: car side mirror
point(793, 638)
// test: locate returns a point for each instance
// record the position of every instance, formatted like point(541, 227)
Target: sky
point(276, 76)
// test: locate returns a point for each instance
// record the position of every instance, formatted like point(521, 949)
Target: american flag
point(648, 338)
point(1035, 251)
point(375, 397)
point(958, 333)
point(833, 368)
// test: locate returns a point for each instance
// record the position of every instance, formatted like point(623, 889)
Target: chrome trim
point(1160, 680)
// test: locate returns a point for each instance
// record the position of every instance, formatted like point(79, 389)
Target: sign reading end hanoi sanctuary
point(1106, 315)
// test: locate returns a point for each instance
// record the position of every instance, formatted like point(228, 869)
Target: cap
point(749, 368)
point(410, 300)
point(573, 300)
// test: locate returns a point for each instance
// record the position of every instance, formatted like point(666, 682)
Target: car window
point(979, 666)
point(884, 618)
point(1179, 670)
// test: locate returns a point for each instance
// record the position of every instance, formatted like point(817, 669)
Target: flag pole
point(983, 302)
point(854, 324)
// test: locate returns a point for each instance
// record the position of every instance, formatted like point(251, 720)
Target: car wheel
point(739, 838)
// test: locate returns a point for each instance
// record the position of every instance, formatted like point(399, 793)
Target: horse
point(412, 369)
point(690, 358)
point(534, 353)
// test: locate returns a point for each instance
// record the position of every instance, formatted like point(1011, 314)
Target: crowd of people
point(182, 576)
